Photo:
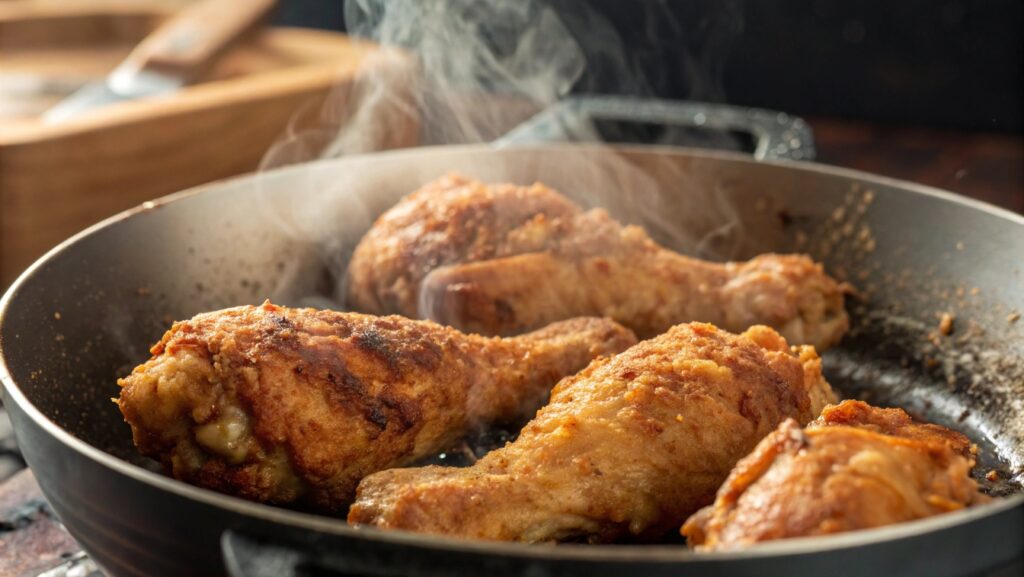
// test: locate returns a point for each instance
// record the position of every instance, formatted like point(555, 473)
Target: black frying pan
point(87, 312)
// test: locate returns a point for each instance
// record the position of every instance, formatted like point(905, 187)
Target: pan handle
point(776, 135)
point(305, 555)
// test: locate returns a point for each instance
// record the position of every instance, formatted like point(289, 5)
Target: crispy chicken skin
point(501, 259)
point(625, 449)
point(855, 467)
point(297, 405)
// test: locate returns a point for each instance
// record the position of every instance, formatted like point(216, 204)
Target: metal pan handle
point(305, 555)
point(776, 135)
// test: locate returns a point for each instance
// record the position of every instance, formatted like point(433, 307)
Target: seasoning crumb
point(679, 418)
point(56, 315)
point(960, 246)
point(1012, 317)
point(946, 324)
point(992, 475)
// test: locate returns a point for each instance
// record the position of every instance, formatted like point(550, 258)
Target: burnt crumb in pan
point(923, 340)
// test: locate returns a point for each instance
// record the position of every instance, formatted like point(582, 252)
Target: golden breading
point(856, 467)
point(297, 405)
point(502, 259)
point(627, 448)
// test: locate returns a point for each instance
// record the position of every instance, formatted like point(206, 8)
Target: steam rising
point(467, 72)
point(481, 68)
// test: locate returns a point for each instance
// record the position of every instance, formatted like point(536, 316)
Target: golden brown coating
point(627, 448)
point(297, 405)
point(449, 221)
point(895, 422)
point(856, 467)
point(501, 259)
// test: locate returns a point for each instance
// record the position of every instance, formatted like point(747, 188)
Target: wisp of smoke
point(467, 72)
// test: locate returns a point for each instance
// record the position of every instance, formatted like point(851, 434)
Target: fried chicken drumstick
point(856, 467)
point(297, 405)
point(501, 259)
point(627, 448)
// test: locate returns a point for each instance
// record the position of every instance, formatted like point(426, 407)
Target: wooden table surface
point(988, 167)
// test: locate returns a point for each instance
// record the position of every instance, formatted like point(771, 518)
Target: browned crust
point(284, 405)
point(627, 448)
point(451, 220)
point(855, 467)
point(503, 259)
point(895, 422)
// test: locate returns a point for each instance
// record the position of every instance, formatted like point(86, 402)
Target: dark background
point(940, 63)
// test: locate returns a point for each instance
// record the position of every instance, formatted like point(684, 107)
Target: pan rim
point(617, 553)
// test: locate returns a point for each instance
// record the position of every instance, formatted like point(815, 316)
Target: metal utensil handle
point(777, 135)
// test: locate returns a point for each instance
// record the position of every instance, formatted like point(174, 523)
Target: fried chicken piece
point(856, 467)
point(297, 405)
point(501, 259)
point(627, 448)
